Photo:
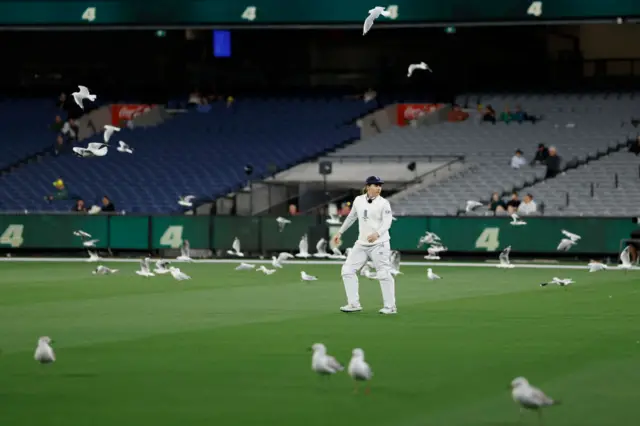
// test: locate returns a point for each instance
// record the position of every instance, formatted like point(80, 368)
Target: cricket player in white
point(374, 220)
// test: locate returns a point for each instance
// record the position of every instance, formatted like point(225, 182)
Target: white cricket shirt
point(372, 217)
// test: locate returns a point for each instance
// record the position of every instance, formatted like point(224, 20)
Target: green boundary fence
point(258, 234)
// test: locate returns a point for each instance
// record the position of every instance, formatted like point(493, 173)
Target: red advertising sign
point(122, 112)
point(409, 112)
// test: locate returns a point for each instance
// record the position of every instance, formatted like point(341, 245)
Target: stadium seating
point(25, 128)
point(609, 186)
point(194, 153)
point(580, 127)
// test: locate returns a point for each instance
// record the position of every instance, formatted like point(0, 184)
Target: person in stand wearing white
point(374, 220)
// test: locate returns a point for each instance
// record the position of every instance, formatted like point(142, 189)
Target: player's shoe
point(388, 311)
point(351, 308)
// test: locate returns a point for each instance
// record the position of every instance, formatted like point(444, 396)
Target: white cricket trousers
point(380, 255)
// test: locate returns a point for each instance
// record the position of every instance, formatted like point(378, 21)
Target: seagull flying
point(432, 276)
point(265, 270)
point(434, 250)
point(358, 369)
point(145, 269)
point(282, 222)
point(84, 236)
point(529, 397)
point(245, 266)
point(471, 205)
point(93, 149)
point(109, 130)
point(277, 262)
point(307, 277)
point(573, 237)
point(566, 243)
point(504, 258)
point(124, 148)
point(322, 363)
point(185, 252)
point(562, 282)
point(428, 238)
point(103, 270)
point(162, 267)
point(235, 248)
point(81, 95)
point(303, 247)
point(395, 263)
point(44, 352)
point(178, 274)
point(373, 15)
point(186, 201)
point(515, 220)
point(420, 66)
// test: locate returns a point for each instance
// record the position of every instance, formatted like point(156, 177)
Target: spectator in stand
point(519, 115)
point(518, 160)
point(497, 205)
point(57, 125)
point(541, 155)
point(195, 99)
point(79, 207)
point(345, 209)
point(553, 163)
point(634, 146)
point(506, 115)
point(71, 130)
point(107, 205)
point(60, 146)
point(528, 206)
point(489, 114)
point(457, 114)
point(513, 203)
point(293, 210)
point(62, 193)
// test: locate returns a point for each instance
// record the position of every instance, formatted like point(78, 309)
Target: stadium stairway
point(203, 154)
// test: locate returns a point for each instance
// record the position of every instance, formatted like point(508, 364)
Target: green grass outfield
point(229, 348)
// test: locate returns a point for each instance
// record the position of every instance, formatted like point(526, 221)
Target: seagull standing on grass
point(81, 95)
point(93, 256)
point(373, 15)
point(145, 270)
point(307, 277)
point(162, 267)
point(265, 270)
point(395, 263)
point(321, 249)
point(178, 274)
point(596, 266)
point(303, 248)
point(504, 258)
point(185, 252)
point(359, 370)
point(530, 397)
point(336, 254)
point(44, 352)
point(420, 66)
point(432, 276)
point(103, 270)
point(322, 363)
point(235, 248)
